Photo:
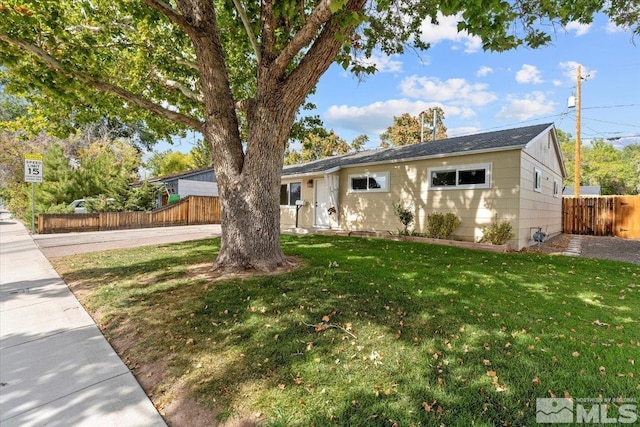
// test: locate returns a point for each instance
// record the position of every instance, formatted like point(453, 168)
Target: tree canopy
point(237, 72)
point(615, 171)
point(407, 130)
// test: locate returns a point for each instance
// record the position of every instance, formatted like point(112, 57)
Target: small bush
point(497, 233)
point(441, 226)
point(405, 215)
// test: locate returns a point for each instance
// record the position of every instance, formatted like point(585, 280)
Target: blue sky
point(481, 91)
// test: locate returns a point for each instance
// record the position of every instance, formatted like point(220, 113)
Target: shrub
point(497, 233)
point(405, 215)
point(441, 226)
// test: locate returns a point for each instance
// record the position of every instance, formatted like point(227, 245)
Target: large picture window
point(378, 181)
point(290, 193)
point(460, 177)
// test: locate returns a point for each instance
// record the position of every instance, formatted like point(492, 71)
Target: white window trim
point(487, 171)
point(370, 175)
point(288, 184)
point(537, 180)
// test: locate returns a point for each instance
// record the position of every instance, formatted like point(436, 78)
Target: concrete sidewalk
point(56, 368)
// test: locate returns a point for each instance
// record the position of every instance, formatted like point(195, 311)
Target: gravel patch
point(613, 248)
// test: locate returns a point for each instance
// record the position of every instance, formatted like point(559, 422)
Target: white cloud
point(532, 105)
point(374, 118)
point(569, 70)
point(383, 63)
point(625, 141)
point(557, 83)
point(529, 74)
point(457, 91)
point(484, 71)
point(447, 29)
point(580, 29)
point(461, 131)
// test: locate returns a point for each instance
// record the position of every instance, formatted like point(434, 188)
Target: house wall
point(511, 195)
point(187, 187)
point(288, 213)
point(540, 208)
point(409, 183)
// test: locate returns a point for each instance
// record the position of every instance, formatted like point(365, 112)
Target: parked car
point(78, 206)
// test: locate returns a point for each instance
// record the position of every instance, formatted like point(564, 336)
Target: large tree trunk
point(251, 199)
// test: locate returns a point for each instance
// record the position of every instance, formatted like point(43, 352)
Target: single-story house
point(514, 174)
point(198, 182)
point(585, 190)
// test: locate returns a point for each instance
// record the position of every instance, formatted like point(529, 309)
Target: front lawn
point(369, 331)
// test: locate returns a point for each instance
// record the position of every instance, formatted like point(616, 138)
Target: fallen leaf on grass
point(536, 381)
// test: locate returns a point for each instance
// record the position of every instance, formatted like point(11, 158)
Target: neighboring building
point(200, 182)
point(585, 190)
point(515, 174)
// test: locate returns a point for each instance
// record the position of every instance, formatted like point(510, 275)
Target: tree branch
point(268, 23)
point(321, 54)
point(172, 84)
point(168, 11)
point(53, 63)
point(320, 15)
point(247, 27)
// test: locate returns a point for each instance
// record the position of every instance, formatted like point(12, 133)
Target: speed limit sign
point(33, 169)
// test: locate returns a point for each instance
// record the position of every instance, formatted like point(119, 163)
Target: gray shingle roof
point(497, 140)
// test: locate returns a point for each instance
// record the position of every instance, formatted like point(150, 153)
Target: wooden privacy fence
point(191, 210)
point(602, 216)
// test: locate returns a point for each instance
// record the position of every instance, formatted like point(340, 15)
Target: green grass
point(373, 332)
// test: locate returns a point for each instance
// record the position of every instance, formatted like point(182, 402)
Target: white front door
point(321, 202)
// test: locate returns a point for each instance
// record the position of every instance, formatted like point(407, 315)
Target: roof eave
point(406, 159)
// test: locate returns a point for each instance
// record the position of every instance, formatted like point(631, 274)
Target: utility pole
point(576, 184)
point(434, 124)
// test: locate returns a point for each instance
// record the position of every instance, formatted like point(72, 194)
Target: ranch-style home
point(515, 174)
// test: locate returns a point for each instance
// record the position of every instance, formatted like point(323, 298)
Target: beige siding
point(540, 208)
point(409, 183)
point(511, 195)
point(305, 215)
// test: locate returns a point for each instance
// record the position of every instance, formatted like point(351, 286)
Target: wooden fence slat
point(602, 216)
point(190, 210)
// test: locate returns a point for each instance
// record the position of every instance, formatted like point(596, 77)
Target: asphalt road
point(64, 244)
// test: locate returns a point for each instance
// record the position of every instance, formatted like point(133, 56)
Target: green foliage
point(142, 198)
point(615, 171)
point(322, 143)
point(405, 216)
point(441, 226)
point(170, 162)
point(497, 233)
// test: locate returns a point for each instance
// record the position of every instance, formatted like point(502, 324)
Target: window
point(537, 180)
point(460, 177)
point(378, 181)
point(556, 188)
point(290, 193)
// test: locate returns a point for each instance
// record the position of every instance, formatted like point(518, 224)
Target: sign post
point(33, 172)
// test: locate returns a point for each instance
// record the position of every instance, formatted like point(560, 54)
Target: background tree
point(319, 145)
point(407, 130)
point(237, 72)
point(201, 154)
point(169, 162)
point(606, 166)
point(615, 171)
